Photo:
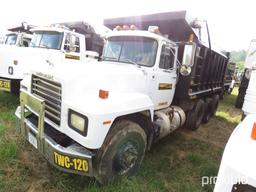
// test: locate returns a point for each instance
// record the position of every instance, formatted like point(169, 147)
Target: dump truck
point(249, 65)
point(249, 104)
point(99, 119)
point(19, 35)
point(75, 41)
point(236, 172)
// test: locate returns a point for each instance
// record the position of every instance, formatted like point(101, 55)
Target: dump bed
point(23, 28)
point(94, 42)
point(174, 24)
point(208, 72)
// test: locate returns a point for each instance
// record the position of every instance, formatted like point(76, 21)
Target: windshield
point(11, 39)
point(46, 39)
point(131, 49)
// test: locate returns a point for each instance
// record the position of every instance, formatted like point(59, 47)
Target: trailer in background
point(19, 35)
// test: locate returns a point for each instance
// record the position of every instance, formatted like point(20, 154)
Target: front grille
point(50, 91)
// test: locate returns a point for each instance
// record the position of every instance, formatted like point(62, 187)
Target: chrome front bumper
point(72, 158)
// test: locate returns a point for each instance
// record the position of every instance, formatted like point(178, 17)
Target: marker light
point(154, 29)
point(126, 27)
point(191, 38)
point(15, 62)
point(106, 122)
point(133, 27)
point(118, 28)
point(103, 94)
point(253, 134)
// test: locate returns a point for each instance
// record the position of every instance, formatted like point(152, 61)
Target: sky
point(231, 23)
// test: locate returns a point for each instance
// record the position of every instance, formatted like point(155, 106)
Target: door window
point(167, 57)
point(76, 43)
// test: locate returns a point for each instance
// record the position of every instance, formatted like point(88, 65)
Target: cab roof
point(139, 33)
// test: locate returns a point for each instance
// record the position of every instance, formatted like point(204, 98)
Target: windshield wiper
point(44, 46)
point(109, 58)
point(132, 62)
point(32, 44)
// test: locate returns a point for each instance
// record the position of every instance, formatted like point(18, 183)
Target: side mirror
point(185, 70)
point(20, 40)
point(188, 55)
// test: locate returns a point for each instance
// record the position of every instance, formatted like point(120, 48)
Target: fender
point(99, 111)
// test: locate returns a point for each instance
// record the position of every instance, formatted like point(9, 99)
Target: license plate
point(5, 85)
point(73, 163)
point(32, 139)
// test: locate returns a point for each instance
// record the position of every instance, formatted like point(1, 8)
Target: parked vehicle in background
point(2, 38)
point(19, 36)
point(249, 106)
point(99, 119)
point(250, 63)
point(237, 169)
point(75, 41)
point(230, 77)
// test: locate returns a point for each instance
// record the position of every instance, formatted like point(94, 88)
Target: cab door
point(72, 48)
point(165, 76)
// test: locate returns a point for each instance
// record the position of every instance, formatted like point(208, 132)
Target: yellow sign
point(163, 86)
point(162, 103)
point(69, 56)
point(5, 85)
point(70, 162)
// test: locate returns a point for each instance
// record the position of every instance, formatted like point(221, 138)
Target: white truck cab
point(249, 105)
point(154, 55)
point(49, 45)
point(18, 39)
point(237, 168)
point(137, 75)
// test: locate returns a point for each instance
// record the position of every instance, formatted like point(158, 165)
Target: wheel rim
point(126, 157)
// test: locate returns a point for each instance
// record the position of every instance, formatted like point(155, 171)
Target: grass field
point(176, 163)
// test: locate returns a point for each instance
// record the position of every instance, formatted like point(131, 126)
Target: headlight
point(78, 122)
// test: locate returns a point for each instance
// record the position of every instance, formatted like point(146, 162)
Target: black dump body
point(94, 42)
point(24, 27)
point(208, 71)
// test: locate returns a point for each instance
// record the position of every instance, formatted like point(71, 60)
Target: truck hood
point(27, 58)
point(88, 78)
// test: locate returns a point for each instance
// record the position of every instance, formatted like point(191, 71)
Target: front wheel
point(122, 152)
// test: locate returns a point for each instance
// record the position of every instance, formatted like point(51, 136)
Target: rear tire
point(207, 111)
point(195, 116)
point(121, 153)
point(215, 104)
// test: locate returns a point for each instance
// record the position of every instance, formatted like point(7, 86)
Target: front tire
point(122, 152)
